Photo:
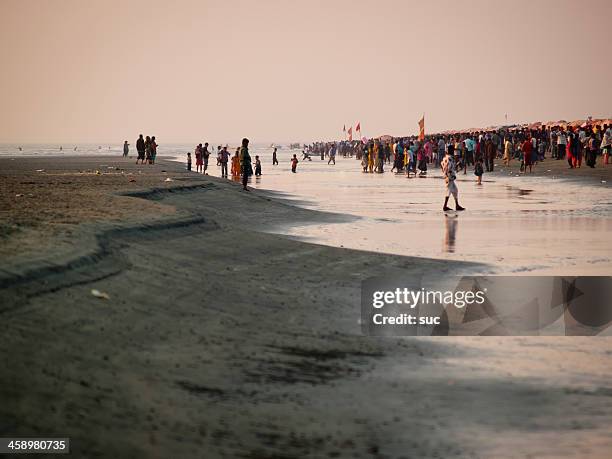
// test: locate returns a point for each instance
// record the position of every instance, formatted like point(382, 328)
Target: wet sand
point(557, 222)
point(221, 340)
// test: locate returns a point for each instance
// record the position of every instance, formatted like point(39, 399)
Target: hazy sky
point(84, 70)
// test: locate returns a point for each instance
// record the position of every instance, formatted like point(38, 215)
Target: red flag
point(422, 128)
point(358, 128)
point(350, 133)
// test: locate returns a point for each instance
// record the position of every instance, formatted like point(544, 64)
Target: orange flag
point(350, 133)
point(422, 128)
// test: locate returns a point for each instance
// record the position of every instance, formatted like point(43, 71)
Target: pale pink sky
point(84, 70)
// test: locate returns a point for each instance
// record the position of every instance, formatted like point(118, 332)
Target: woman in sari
point(148, 150)
point(236, 164)
point(198, 156)
point(153, 147)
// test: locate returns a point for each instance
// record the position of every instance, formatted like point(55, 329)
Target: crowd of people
point(413, 155)
point(146, 149)
point(241, 162)
point(454, 152)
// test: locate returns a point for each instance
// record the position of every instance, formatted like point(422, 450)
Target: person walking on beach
point(188, 160)
point(572, 141)
point(198, 155)
point(470, 146)
point(593, 147)
point(448, 169)
point(371, 157)
point(224, 159)
point(140, 148)
point(126, 148)
point(441, 151)
point(205, 156)
point(507, 151)
point(490, 150)
point(245, 163)
point(478, 170)
point(153, 150)
point(561, 142)
point(257, 166)
point(422, 159)
point(527, 152)
point(294, 163)
point(332, 154)
point(274, 158)
point(236, 163)
point(364, 160)
point(148, 150)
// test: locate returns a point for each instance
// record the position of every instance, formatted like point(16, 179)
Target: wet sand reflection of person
point(451, 234)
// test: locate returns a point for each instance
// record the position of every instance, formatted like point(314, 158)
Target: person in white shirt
point(561, 142)
point(450, 175)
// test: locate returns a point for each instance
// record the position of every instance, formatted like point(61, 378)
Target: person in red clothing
point(527, 159)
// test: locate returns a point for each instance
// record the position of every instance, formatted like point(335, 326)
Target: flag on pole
point(422, 128)
point(358, 127)
point(344, 128)
point(350, 133)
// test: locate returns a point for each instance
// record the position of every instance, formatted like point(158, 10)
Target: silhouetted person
point(140, 148)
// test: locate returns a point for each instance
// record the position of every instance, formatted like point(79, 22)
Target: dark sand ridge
point(222, 341)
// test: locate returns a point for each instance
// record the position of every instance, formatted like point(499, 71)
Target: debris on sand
point(99, 294)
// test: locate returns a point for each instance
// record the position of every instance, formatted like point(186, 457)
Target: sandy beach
point(218, 339)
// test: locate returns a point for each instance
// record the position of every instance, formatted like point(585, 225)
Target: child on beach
point(294, 163)
point(257, 165)
point(478, 170)
point(189, 161)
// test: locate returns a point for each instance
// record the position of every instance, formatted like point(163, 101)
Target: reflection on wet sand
point(450, 223)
